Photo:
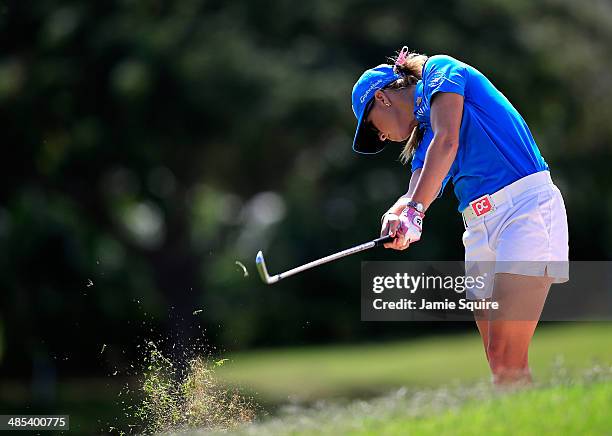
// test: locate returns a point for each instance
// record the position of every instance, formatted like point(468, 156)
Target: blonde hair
point(409, 65)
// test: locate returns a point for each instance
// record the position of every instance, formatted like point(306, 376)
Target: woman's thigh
point(521, 300)
point(519, 297)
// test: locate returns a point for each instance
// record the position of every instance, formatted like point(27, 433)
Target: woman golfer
point(459, 127)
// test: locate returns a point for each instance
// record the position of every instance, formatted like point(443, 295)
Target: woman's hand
point(406, 227)
point(390, 226)
point(390, 223)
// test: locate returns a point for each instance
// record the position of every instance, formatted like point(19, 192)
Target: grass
point(311, 373)
point(563, 406)
point(552, 411)
point(443, 386)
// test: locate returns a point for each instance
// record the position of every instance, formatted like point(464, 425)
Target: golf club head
point(263, 271)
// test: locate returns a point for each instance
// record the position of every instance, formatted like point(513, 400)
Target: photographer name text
point(423, 304)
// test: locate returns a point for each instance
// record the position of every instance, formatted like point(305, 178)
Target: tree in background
point(150, 145)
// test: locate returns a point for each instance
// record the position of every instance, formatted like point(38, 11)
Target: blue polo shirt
point(496, 147)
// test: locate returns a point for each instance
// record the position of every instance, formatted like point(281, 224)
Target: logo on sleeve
point(436, 78)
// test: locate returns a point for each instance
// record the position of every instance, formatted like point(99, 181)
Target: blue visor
point(366, 140)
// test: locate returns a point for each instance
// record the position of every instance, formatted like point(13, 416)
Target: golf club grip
point(383, 240)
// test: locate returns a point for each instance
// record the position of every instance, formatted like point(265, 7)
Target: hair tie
point(402, 56)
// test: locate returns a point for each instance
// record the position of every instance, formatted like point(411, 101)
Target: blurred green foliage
point(149, 145)
point(1, 340)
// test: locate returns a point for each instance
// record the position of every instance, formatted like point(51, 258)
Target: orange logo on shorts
point(481, 205)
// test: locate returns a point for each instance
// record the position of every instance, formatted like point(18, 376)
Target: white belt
point(489, 202)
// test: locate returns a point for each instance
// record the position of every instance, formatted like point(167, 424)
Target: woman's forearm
point(401, 202)
point(438, 161)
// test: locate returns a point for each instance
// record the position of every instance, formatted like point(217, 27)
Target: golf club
point(268, 279)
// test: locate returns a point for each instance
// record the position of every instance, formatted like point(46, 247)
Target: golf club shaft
point(335, 256)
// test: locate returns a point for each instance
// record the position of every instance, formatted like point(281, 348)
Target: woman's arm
point(401, 202)
point(425, 183)
point(446, 113)
point(413, 182)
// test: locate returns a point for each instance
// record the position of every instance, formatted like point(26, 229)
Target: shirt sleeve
point(444, 74)
point(418, 159)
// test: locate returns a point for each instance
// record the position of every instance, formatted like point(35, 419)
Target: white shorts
point(524, 233)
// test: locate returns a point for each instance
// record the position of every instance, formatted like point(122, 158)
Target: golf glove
point(411, 224)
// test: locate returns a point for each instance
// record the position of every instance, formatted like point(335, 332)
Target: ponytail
point(409, 65)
